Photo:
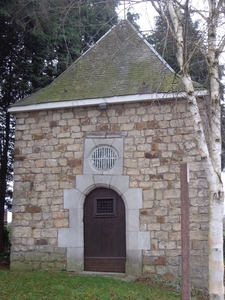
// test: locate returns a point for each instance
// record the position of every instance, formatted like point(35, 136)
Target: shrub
point(7, 238)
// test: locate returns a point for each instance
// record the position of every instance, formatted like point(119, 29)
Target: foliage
point(133, 18)
point(164, 43)
point(42, 285)
point(41, 39)
point(7, 238)
point(5, 253)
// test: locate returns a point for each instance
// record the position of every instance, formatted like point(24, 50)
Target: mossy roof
point(121, 63)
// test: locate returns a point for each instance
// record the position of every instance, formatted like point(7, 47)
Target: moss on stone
point(120, 64)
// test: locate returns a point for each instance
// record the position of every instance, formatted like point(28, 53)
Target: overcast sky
point(145, 11)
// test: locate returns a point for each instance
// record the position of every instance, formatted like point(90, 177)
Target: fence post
point(185, 234)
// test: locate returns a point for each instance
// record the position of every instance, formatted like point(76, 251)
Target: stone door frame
point(72, 237)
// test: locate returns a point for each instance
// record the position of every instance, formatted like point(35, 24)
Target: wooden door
point(104, 232)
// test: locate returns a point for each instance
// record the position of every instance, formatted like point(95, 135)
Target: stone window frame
point(112, 140)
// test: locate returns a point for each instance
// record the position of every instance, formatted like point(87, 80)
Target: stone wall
point(158, 137)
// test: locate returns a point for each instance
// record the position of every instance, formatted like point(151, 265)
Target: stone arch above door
point(72, 237)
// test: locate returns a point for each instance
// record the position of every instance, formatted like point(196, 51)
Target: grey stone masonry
point(157, 137)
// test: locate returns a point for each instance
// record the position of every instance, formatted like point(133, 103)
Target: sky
point(145, 11)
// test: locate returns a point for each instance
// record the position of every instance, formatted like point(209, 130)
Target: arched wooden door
point(104, 232)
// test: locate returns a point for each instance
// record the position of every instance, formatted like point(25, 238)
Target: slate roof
point(121, 63)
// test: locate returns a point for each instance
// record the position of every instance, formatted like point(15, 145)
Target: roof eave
point(108, 100)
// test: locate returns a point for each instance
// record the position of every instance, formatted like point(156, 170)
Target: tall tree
point(41, 39)
point(162, 40)
point(212, 17)
point(166, 47)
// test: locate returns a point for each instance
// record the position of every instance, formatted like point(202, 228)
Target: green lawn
point(44, 285)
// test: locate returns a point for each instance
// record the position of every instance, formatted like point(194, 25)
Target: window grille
point(105, 207)
point(104, 158)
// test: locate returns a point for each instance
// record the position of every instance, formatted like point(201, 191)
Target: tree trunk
point(216, 268)
point(3, 177)
point(210, 153)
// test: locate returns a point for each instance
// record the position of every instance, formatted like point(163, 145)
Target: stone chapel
point(97, 167)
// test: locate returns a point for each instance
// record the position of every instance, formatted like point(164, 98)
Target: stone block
point(53, 241)
point(36, 233)
point(71, 238)
point(58, 223)
point(196, 245)
point(73, 122)
point(41, 242)
point(127, 127)
point(132, 240)
point(160, 211)
point(48, 233)
point(173, 193)
point(132, 172)
point(40, 186)
point(76, 130)
point(167, 245)
point(161, 235)
point(163, 169)
point(53, 185)
point(143, 240)
point(148, 269)
point(75, 258)
point(175, 236)
point(149, 195)
point(65, 185)
point(161, 270)
point(153, 226)
point(16, 256)
point(200, 235)
point(71, 198)
point(32, 208)
point(160, 219)
point(134, 263)
point(48, 266)
point(174, 211)
point(68, 115)
point(21, 231)
point(155, 261)
point(83, 182)
point(134, 197)
point(19, 266)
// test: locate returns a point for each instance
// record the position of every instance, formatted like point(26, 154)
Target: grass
point(58, 286)
point(44, 285)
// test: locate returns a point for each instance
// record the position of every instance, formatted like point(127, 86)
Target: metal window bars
point(104, 158)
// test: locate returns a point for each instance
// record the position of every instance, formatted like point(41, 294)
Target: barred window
point(104, 158)
point(105, 207)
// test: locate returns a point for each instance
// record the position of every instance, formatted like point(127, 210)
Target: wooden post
point(185, 247)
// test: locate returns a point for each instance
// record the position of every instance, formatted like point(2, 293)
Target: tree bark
point(211, 152)
point(3, 177)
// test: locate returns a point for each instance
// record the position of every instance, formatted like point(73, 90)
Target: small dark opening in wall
point(105, 207)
